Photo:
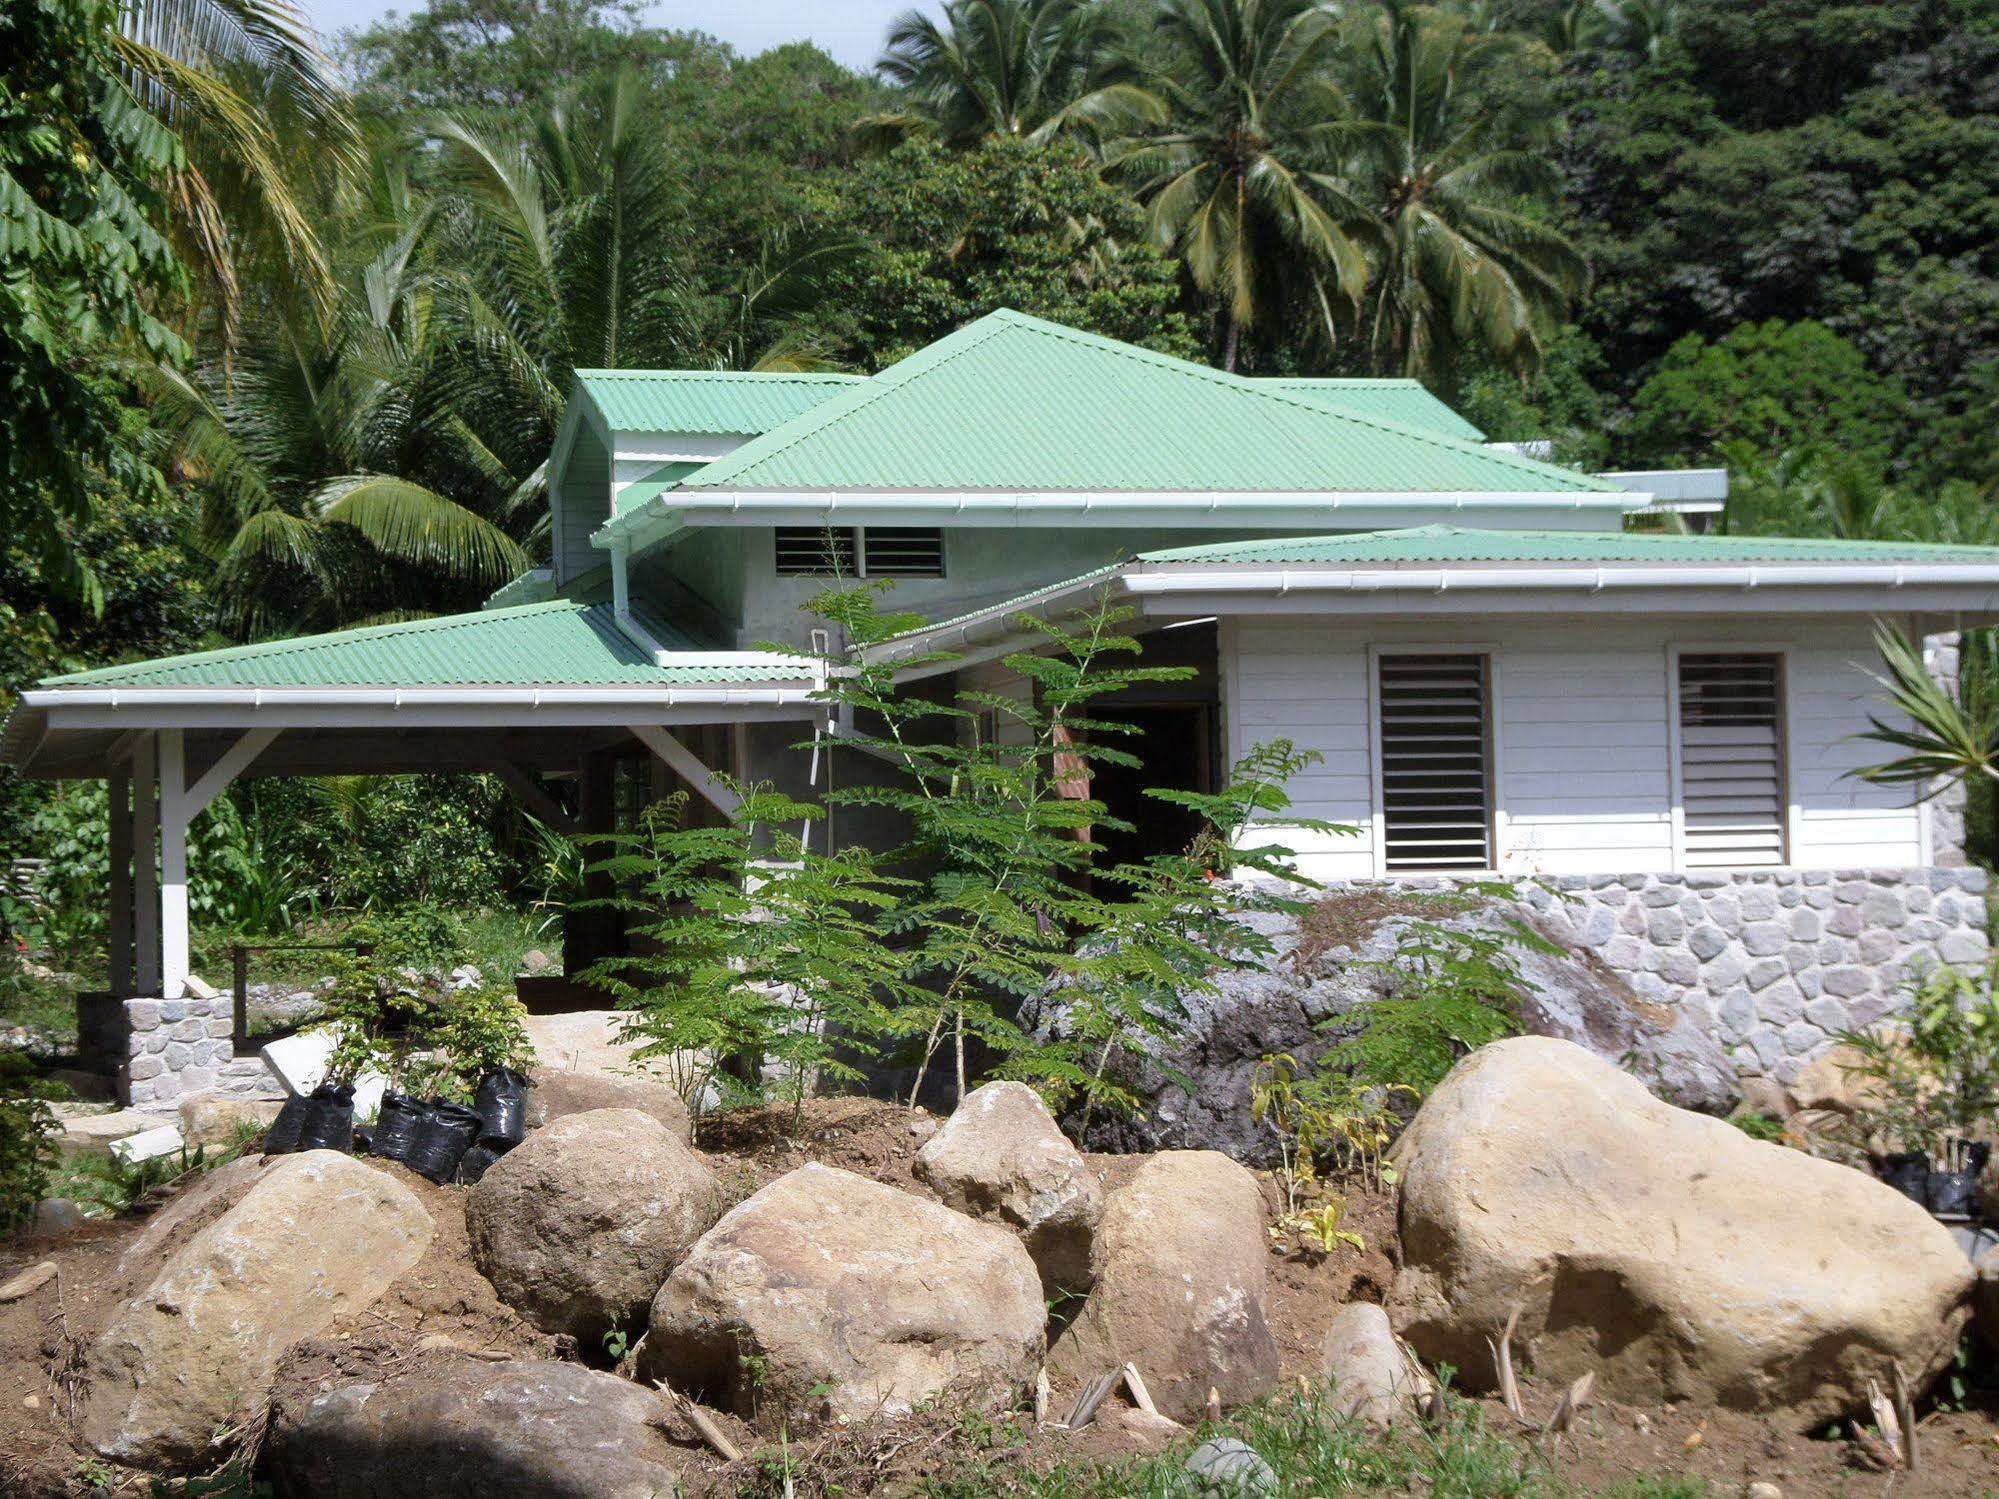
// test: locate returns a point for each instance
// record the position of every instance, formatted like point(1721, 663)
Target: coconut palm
point(389, 460)
point(268, 136)
point(1031, 68)
point(1462, 257)
point(1235, 179)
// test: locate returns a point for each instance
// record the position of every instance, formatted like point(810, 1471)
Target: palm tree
point(389, 460)
point(1461, 257)
point(1030, 68)
point(1234, 179)
point(268, 134)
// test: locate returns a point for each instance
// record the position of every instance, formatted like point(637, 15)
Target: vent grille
point(1731, 760)
point(1436, 797)
point(903, 551)
point(872, 552)
point(810, 551)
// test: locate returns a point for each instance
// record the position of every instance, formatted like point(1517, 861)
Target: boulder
point(1305, 999)
point(1180, 1266)
point(578, 1224)
point(455, 1428)
point(193, 1355)
point(1669, 1253)
point(222, 1118)
point(829, 1296)
point(1001, 1156)
point(1373, 1380)
point(556, 1095)
point(1829, 1082)
point(1985, 1297)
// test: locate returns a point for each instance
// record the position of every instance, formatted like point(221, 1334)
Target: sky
point(851, 30)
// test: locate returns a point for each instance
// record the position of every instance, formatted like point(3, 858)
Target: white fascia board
point(1338, 509)
point(990, 632)
point(1672, 488)
point(1267, 578)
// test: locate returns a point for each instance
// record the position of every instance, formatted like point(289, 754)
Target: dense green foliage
point(802, 964)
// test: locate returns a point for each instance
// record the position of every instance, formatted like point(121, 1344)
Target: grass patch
point(1350, 918)
point(45, 1005)
point(1312, 1451)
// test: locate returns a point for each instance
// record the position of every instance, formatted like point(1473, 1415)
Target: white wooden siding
point(1582, 732)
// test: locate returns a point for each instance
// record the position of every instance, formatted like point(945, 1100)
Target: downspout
point(621, 600)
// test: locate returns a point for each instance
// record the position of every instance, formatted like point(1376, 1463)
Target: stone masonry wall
point(175, 1047)
point(1775, 961)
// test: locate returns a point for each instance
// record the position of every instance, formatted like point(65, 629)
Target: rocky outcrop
point(1180, 1269)
point(578, 1224)
point(1001, 1156)
point(1302, 1000)
point(829, 1296)
point(192, 1356)
point(459, 1429)
point(1372, 1380)
point(222, 1118)
point(1669, 1253)
point(556, 1094)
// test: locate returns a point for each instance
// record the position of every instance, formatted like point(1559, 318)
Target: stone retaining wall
point(174, 1047)
point(1775, 961)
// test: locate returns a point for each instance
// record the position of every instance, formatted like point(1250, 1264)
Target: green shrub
point(28, 1130)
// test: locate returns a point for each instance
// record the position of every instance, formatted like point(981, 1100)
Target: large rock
point(1181, 1263)
point(1002, 1156)
point(224, 1118)
point(1372, 1379)
point(827, 1295)
point(192, 1356)
point(460, 1429)
point(1306, 997)
point(1667, 1252)
point(556, 1095)
point(578, 1224)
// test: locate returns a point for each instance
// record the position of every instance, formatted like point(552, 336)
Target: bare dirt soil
point(444, 1307)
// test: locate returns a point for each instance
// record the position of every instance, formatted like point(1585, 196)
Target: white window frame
point(1494, 766)
point(1792, 821)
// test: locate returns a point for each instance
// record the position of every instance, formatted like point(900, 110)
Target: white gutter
point(1592, 579)
point(791, 691)
point(1220, 507)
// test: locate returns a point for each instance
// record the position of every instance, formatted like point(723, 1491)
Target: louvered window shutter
point(903, 551)
point(1731, 759)
point(809, 551)
point(1436, 783)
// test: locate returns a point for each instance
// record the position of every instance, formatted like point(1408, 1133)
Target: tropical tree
point(1463, 254)
point(1029, 68)
point(268, 133)
point(1234, 179)
point(83, 268)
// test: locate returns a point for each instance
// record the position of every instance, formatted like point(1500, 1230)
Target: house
point(1500, 675)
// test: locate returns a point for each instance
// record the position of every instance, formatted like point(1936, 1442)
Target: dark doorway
point(1177, 745)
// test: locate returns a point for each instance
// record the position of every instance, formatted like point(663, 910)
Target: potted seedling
point(1934, 1090)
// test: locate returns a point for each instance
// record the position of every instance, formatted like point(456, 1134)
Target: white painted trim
point(145, 865)
point(676, 754)
point(174, 818)
point(1164, 578)
point(1675, 795)
point(1192, 508)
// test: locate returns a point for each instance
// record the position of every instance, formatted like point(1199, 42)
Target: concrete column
point(174, 817)
point(120, 925)
point(145, 866)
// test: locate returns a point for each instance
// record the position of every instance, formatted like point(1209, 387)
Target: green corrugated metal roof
point(535, 645)
point(715, 401)
point(1420, 544)
point(1409, 402)
point(1013, 402)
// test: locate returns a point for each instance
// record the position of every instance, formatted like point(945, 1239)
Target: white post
point(173, 863)
point(145, 867)
point(119, 787)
